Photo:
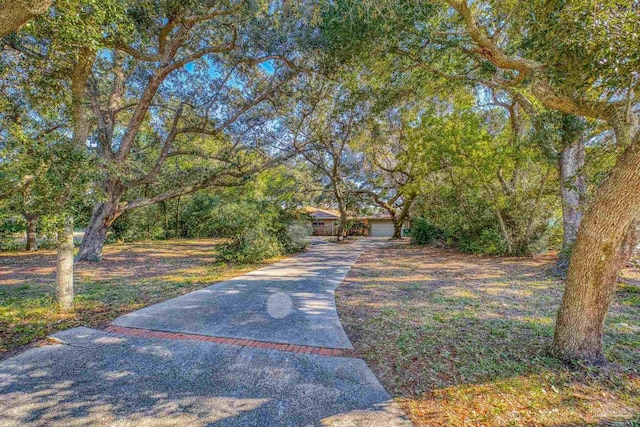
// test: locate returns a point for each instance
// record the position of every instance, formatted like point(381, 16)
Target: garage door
point(382, 229)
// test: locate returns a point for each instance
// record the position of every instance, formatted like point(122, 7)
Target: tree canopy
point(499, 127)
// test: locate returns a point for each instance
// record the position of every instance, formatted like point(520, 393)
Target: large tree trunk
point(601, 250)
point(398, 219)
point(337, 191)
point(342, 223)
point(64, 270)
point(15, 13)
point(96, 232)
point(397, 229)
point(572, 190)
point(32, 231)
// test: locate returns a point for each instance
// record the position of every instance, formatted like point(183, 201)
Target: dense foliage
point(425, 233)
point(259, 231)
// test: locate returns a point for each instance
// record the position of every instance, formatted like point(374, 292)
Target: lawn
point(130, 276)
point(463, 340)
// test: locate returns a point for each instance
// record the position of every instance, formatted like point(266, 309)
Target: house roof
point(381, 215)
point(317, 213)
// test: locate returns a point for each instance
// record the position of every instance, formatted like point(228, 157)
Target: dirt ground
point(464, 340)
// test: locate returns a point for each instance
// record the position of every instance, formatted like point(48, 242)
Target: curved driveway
point(289, 302)
point(188, 375)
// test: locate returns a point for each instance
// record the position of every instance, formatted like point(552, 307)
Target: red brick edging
point(146, 333)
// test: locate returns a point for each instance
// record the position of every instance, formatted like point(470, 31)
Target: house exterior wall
point(323, 227)
point(325, 223)
point(385, 227)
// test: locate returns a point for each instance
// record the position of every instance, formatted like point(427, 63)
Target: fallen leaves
point(463, 340)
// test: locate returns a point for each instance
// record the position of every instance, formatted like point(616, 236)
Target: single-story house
point(325, 223)
point(381, 225)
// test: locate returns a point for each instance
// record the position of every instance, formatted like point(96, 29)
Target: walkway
point(262, 349)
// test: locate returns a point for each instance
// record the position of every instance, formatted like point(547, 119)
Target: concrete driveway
point(288, 302)
point(262, 349)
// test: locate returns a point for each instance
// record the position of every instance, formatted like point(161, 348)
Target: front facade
point(325, 223)
point(381, 225)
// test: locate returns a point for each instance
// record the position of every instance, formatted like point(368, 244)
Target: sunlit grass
point(130, 277)
point(463, 340)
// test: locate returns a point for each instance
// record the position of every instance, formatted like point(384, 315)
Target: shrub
point(10, 227)
point(488, 241)
point(296, 235)
point(253, 245)
point(470, 240)
point(258, 230)
point(425, 233)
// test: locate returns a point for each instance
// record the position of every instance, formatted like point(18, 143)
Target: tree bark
point(337, 191)
point(572, 190)
point(398, 219)
point(64, 270)
point(397, 229)
point(96, 232)
point(342, 223)
point(15, 13)
point(602, 247)
point(32, 231)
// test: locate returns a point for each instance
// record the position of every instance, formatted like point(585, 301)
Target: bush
point(488, 241)
point(471, 240)
point(258, 230)
point(425, 233)
point(11, 227)
point(253, 245)
point(294, 235)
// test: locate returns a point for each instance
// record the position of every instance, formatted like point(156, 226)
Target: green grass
point(130, 277)
point(463, 340)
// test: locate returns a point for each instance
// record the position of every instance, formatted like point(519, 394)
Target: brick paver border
point(146, 333)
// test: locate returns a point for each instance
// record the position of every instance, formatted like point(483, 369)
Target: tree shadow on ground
point(130, 276)
point(110, 380)
point(463, 334)
point(141, 260)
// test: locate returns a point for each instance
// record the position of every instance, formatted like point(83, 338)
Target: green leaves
point(591, 47)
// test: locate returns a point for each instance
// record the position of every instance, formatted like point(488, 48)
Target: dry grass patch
point(463, 340)
point(131, 276)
